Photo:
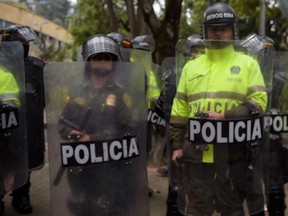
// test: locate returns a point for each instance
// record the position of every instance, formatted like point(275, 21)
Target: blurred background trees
point(166, 20)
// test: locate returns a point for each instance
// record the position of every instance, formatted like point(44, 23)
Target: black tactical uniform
point(102, 113)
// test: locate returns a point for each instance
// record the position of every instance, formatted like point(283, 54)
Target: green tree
point(54, 10)
point(176, 19)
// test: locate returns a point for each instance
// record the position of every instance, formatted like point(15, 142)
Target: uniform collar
point(218, 54)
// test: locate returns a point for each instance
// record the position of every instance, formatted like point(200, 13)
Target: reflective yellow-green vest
point(9, 90)
point(218, 81)
point(153, 91)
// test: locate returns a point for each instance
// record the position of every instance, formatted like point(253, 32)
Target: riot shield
point(169, 90)
point(278, 163)
point(106, 175)
point(35, 112)
point(14, 164)
point(183, 56)
point(225, 95)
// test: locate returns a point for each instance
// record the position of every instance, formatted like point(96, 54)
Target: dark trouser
point(215, 186)
point(275, 181)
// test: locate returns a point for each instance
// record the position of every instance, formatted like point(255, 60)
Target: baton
point(68, 123)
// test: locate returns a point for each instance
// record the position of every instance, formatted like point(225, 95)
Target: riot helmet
point(122, 40)
point(220, 14)
point(253, 43)
point(100, 44)
point(144, 42)
point(99, 48)
point(23, 34)
point(193, 42)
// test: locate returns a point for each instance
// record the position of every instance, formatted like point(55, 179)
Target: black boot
point(262, 213)
point(21, 199)
point(171, 203)
point(276, 204)
point(2, 206)
point(21, 204)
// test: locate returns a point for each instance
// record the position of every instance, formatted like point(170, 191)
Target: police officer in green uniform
point(215, 174)
point(9, 97)
point(34, 115)
point(100, 109)
point(192, 48)
point(146, 44)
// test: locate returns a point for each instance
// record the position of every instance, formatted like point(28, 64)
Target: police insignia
point(111, 100)
point(80, 101)
point(127, 100)
point(235, 70)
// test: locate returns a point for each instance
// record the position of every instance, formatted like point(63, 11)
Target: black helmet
point(100, 44)
point(144, 42)
point(253, 43)
point(193, 41)
point(23, 34)
point(220, 14)
point(122, 40)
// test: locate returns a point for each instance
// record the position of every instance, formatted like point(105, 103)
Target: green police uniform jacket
point(222, 80)
point(9, 90)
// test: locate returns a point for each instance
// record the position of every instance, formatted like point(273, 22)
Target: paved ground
point(40, 194)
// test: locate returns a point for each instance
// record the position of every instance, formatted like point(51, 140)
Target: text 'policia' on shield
point(87, 153)
point(9, 118)
point(235, 131)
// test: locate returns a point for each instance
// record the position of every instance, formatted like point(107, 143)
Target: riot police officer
point(104, 107)
point(190, 49)
point(194, 46)
point(274, 164)
point(9, 99)
point(147, 44)
point(35, 108)
point(213, 175)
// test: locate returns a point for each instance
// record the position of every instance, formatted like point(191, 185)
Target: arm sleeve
point(256, 98)
point(9, 89)
point(179, 114)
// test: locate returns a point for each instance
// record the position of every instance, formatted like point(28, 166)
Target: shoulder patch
point(111, 100)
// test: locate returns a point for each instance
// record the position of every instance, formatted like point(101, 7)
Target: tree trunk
point(113, 18)
point(165, 31)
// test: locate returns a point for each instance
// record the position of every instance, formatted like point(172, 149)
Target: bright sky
point(73, 1)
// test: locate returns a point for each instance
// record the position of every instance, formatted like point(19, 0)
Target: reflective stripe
point(181, 96)
point(254, 89)
point(178, 120)
point(10, 99)
point(217, 95)
point(4, 97)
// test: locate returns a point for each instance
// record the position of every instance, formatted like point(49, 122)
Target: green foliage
point(91, 17)
point(192, 16)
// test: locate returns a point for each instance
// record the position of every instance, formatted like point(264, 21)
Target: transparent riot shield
point(153, 83)
point(183, 55)
point(225, 96)
point(169, 90)
point(103, 169)
point(14, 163)
point(278, 163)
point(35, 112)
